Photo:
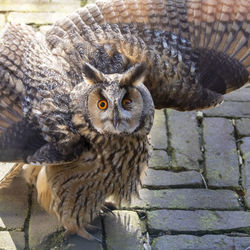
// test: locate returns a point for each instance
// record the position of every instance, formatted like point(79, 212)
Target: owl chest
point(119, 164)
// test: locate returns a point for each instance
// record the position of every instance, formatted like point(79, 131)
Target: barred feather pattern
point(76, 192)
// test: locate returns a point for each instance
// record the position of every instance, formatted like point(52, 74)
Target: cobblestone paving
point(196, 192)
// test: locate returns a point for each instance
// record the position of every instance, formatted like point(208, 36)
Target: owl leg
point(82, 232)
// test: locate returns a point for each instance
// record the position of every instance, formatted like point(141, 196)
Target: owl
point(77, 103)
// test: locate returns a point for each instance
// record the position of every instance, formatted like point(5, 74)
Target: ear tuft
point(134, 75)
point(91, 74)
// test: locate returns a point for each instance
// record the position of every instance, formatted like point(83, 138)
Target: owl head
point(113, 103)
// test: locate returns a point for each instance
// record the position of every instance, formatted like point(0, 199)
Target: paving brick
point(243, 127)
point(124, 231)
point(198, 221)
point(242, 94)
point(12, 240)
point(159, 131)
point(159, 160)
point(163, 179)
point(208, 242)
point(40, 6)
point(14, 204)
point(245, 148)
point(184, 139)
point(39, 18)
point(230, 109)
point(187, 199)
point(220, 153)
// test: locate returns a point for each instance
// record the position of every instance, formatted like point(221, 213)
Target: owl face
point(116, 103)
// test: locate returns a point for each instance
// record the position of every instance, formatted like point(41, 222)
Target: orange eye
point(102, 104)
point(126, 102)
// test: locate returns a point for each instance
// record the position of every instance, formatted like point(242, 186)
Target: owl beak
point(116, 120)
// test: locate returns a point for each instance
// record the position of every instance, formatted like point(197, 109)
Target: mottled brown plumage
point(185, 54)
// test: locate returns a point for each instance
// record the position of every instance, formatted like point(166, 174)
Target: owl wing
point(195, 50)
point(34, 119)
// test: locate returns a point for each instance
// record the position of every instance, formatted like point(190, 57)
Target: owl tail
point(219, 34)
point(13, 172)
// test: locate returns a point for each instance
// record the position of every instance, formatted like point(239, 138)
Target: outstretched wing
point(195, 50)
point(34, 115)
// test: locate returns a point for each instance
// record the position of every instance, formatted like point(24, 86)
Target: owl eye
point(102, 104)
point(126, 102)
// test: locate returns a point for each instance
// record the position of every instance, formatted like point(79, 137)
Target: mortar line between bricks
point(202, 163)
point(241, 165)
point(27, 219)
point(169, 148)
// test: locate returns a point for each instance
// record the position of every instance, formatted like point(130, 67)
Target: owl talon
point(105, 210)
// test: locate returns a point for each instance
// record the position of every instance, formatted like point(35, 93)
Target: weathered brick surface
point(163, 179)
point(159, 131)
point(185, 143)
point(198, 221)
point(124, 230)
point(241, 95)
point(159, 160)
point(12, 240)
point(220, 153)
point(243, 127)
point(187, 199)
point(208, 242)
point(230, 109)
point(245, 148)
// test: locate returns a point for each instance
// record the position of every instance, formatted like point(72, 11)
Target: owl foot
point(82, 232)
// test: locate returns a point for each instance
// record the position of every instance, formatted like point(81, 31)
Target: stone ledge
point(198, 221)
point(208, 242)
point(187, 199)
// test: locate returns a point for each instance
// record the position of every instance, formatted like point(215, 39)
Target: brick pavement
point(196, 193)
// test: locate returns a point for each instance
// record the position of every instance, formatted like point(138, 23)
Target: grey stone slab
point(163, 179)
point(124, 231)
point(159, 131)
point(208, 242)
point(230, 109)
point(14, 204)
point(221, 157)
point(159, 160)
point(185, 143)
point(198, 221)
point(243, 126)
point(38, 18)
point(242, 94)
point(12, 240)
point(245, 148)
point(187, 199)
